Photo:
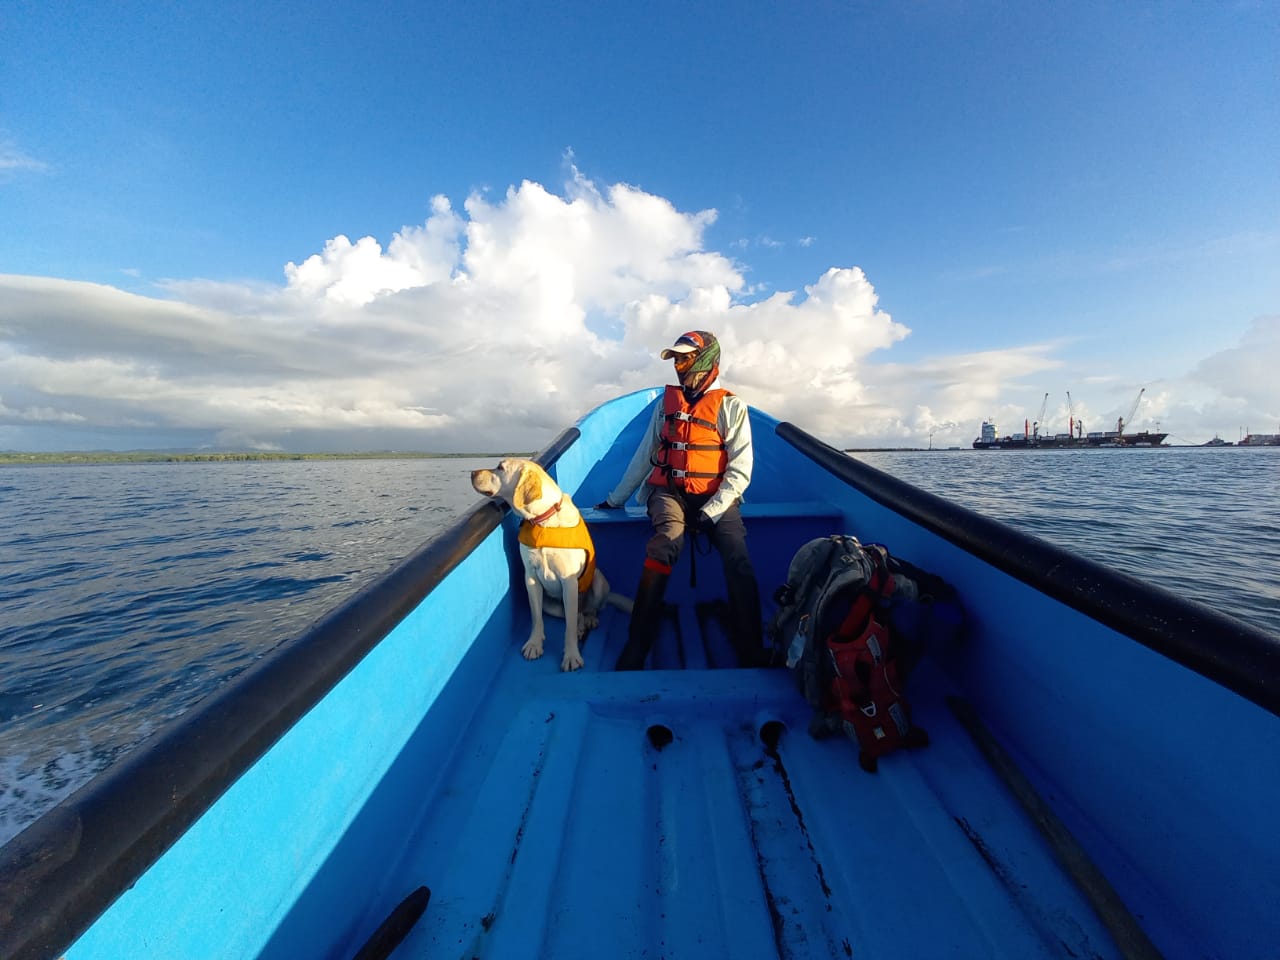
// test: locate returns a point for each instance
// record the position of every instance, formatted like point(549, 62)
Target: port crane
point(1073, 429)
point(1121, 421)
point(1035, 424)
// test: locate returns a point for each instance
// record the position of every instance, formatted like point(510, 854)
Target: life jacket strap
point(686, 473)
point(682, 415)
point(681, 445)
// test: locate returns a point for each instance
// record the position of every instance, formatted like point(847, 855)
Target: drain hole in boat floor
point(660, 735)
point(771, 733)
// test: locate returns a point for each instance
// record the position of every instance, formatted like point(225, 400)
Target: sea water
point(1200, 522)
point(130, 591)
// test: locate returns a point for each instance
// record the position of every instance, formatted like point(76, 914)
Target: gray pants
point(667, 513)
point(670, 512)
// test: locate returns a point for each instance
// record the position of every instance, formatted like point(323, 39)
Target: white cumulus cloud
point(492, 328)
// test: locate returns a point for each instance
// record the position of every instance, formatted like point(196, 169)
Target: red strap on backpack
point(855, 621)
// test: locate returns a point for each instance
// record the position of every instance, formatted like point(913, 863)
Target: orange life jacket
point(576, 537)
point(691, 455)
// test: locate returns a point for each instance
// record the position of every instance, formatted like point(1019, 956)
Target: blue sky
point(322, 226)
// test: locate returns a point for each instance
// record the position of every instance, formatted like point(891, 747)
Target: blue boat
point(1103, 776)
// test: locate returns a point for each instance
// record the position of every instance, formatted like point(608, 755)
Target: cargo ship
point(990, 439)
point(1074, 439)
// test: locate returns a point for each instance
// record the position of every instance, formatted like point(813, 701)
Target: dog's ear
point(528, 489)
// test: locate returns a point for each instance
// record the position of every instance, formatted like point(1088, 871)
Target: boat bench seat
point(750, 510)
point(696, 592)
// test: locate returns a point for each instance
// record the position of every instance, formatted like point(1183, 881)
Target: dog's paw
point(588, 621)
point(572, 661)
point(532, 649)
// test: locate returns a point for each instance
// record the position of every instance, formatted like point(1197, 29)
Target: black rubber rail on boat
point(58, 875)
point(1130, 938)
point(1235, 654)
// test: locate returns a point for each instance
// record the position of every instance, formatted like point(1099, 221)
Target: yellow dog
point(560, 572)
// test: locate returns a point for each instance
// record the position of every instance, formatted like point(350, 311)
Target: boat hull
point(404, 742)
point(1106, 442)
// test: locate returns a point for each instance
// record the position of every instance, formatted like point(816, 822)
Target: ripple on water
point(139, 589)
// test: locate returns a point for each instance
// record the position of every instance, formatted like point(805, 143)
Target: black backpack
point(834, 628)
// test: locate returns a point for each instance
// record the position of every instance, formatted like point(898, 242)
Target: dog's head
point(521, 483)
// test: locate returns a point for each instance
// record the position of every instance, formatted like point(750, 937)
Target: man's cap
point(689, 342)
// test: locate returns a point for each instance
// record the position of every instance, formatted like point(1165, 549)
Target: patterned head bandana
point(697, 357)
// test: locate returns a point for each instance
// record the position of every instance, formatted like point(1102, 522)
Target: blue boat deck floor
point(688, 813)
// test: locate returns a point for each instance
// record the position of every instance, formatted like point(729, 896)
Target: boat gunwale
point(1232, 653)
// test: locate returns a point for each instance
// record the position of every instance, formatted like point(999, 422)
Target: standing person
point(692, 468)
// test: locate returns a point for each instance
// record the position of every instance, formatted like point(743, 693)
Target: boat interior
point(685, 811)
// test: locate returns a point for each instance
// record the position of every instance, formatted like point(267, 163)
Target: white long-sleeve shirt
point(732, 424)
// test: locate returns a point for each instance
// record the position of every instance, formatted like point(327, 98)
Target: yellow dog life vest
point(577, 537)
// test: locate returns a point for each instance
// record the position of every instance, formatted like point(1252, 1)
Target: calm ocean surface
point(130, 591)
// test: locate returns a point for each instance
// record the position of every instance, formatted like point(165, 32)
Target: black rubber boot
point(748, 628)
point(646, 620)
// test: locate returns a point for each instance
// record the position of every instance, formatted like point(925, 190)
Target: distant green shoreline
point(160, 456)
